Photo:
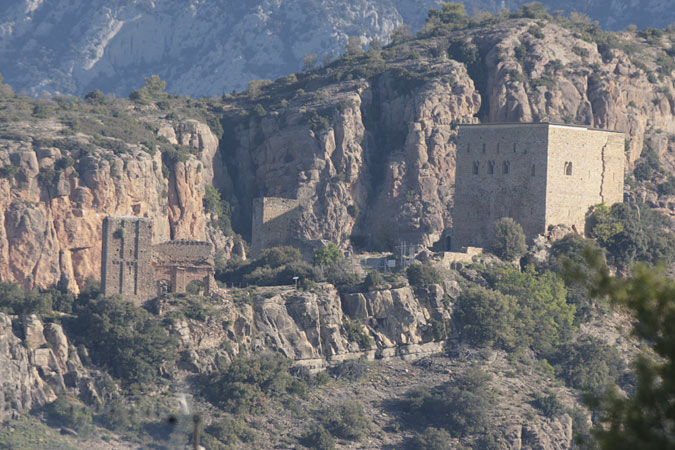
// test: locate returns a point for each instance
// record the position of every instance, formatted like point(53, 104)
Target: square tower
point(274, 222)
point(126, 258)
point(539, 174)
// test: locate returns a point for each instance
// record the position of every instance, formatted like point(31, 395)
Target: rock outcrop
point(37, 364)
point(51, 213)
point(319, 328)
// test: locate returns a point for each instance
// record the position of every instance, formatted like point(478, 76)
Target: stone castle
point(539, 174)
point(138, 270)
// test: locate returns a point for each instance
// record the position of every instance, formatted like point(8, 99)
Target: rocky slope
point(211, 47)
point(385, 143)
point(363, 143)
point(38, 363)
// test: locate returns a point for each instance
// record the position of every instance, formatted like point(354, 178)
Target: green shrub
point(70, 413)
point(125, 339)
point(356, 332)
point(373, 280)
point(543, 318)
point(509, 240)
point(460, 407)
point(245, 385)
point(588, 364)
point(487, 318)
point(219, 208)
point(423, 274)
point(229, 431)
point(327, 255)
point(548, 404)
point(633, 232)
point(346, 420)
point(432, 439)
point(15, 300)
point(318, 438)
point(567, 259)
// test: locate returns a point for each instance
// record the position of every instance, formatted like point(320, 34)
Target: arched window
point(533, 171)
point(506, 167)
point(476, 167)
point(491, 168)
point(568, 168)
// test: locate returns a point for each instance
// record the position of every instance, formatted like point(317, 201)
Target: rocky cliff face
point(211, 47)
point(374, 158)
point(366, 145)
point(319, 328)
point(38, 363)
point(51, 213)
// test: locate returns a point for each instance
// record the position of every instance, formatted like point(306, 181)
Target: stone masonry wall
point(596, 174)
point(183, 251)
point(126, 263)
point(539, 174)
point(515, 185)
point(274, 222)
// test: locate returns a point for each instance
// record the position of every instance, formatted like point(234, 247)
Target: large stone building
point(539, 174)
point(138, 270)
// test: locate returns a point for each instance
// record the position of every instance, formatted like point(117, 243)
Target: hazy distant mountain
point(207, 47)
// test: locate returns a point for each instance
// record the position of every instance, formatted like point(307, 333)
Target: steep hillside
point(210, 47)
point(364, 142)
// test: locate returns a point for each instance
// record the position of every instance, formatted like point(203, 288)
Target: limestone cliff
point(52, 207)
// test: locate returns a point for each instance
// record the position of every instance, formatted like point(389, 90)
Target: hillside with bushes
point(504, 352)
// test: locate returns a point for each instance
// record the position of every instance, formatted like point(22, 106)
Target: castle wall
point(273, 222)
point(596, 173)
point(514, 187)
point(126, 257)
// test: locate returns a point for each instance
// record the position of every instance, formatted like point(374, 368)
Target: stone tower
point(126, 258)
point(274, 221)
point(539, 174)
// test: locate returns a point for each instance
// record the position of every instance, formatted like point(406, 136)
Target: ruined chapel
point(138, 270)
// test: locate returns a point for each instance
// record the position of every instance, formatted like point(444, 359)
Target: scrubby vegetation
point(346, 420)
point(632, 233)
point(128, 341)
point(459, 407)
point(248, 383)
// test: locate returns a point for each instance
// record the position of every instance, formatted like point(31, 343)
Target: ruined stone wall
point(585, 167)
point(185, 251)
point(274, 221)
point(126, 258)
point(501, 172)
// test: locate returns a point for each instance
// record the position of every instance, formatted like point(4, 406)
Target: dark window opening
point(568, 168)
point(476, 167)
point(506, 167)
point(514, 148)
point(483, 148)
point(534, 170)
point(491, 167)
